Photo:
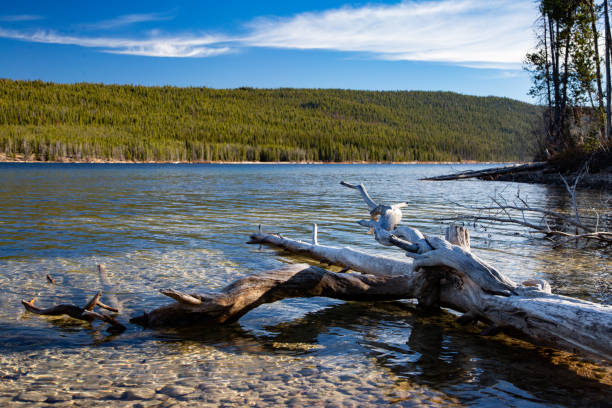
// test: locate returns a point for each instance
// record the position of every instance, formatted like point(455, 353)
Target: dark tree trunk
point(608, 74)
point(597, 59)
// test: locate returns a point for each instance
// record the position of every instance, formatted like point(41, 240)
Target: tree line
point(570, 69)
point(54, 122)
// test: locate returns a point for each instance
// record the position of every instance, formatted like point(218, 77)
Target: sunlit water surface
point(185, 227)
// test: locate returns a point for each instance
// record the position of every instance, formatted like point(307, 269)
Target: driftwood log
point(443, 272)
point(597, 176)
point(491, 172)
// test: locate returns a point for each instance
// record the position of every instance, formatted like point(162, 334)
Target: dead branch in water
point(567, 229)
point(85, 313)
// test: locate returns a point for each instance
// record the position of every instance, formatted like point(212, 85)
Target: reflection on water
point(184, 226)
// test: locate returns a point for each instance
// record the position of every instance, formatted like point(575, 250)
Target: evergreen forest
point(56, 122)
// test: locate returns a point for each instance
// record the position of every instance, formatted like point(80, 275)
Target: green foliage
point(566, 74)
point(84, 121)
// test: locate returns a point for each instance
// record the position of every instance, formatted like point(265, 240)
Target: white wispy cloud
point(20, 17)
point(475, 33)
point(508, 74)
point(128, 19)
point(470, 33)
point(177, 46)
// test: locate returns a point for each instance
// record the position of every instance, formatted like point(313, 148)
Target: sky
point(474, 47)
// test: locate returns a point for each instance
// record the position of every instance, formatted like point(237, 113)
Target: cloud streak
point(20, 17)
point(196, 46)
point(466, 32)
point(470, 33)
point(126, 20)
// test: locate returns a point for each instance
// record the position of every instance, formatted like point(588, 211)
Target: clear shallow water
point(185, 227)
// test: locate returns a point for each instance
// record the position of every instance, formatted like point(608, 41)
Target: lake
point(185, 226)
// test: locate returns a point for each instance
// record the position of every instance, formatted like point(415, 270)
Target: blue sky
point(469, 46)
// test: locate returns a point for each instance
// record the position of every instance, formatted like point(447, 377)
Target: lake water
point(185, 227)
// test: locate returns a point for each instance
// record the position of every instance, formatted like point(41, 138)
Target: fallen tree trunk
point(497, 171)
point(298, 280)
point(546, 318)
point(345, 257)
point(444, 273)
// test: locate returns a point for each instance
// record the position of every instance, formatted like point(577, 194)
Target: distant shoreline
point(3, 160)
point(21, 159)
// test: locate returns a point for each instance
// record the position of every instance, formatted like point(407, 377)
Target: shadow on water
point(429, 351)
point(66, 333)
point(421, 350)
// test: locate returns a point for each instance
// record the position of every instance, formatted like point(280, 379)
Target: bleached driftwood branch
point(578, 227)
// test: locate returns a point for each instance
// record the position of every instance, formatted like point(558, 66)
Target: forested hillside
point(46, 121)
